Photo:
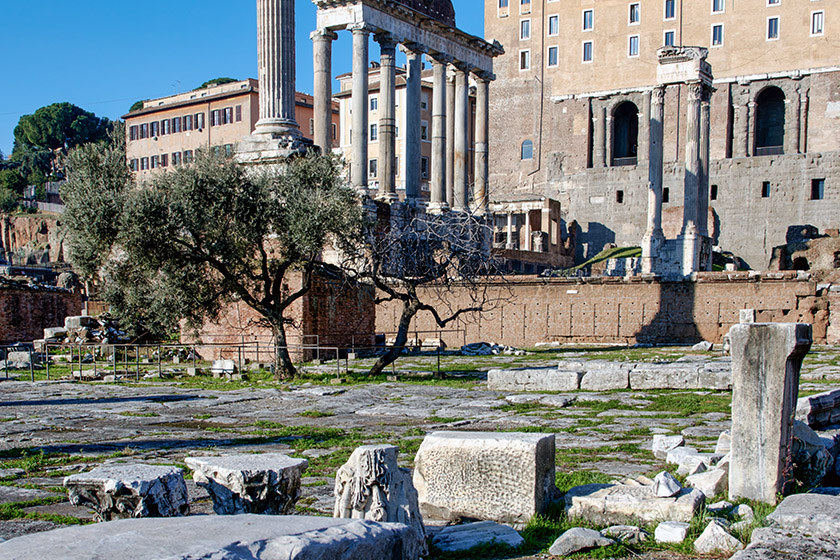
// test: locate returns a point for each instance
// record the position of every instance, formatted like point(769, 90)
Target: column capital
point(440, 58)
point(462, 66)
point(412, 48)
point(695, 91)
point(357, 28)
point(385, 40)
point(658, 95)
point(323, 34)
point(484, 76)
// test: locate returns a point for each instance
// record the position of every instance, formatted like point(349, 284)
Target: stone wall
point(628, 311)
point(34, 238)
point(25, 312)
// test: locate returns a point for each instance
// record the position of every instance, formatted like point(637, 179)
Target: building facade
point(572, 103)
point(167, 131)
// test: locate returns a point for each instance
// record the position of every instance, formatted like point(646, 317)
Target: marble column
point(509, 244)
point(450, 137)
point(437, 201)
point(703, 186)
point(599, 124)
point(387, 118)
point(359, 137)
point(792, 113)
point(803, 121)
point(654, 238)
point(414, 54)
point(322, 96)
point(751, 106)
point(690, 235)
point(643, 152)
point(528, 230)
point(276, 55)
point(482, 123)
point(462, 122)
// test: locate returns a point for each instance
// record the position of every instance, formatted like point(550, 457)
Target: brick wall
point(26, 312)
point(615, 310)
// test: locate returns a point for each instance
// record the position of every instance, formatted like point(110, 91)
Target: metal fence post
point(31, 367)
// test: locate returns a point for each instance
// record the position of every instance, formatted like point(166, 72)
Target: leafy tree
point(216, 82)
point(202, 235)
point(136, 106)
point(12, 180)
point(8, 199)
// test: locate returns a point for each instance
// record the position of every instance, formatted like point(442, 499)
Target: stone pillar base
point(271, 148)
point(696, 253)
point(437, 207)
point(652, 244)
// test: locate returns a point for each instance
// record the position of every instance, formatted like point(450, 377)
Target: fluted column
point(437, 201)
point(792, 113)
point(750, 148)
point(276, 55)
point(322, 96)
point(692, 158)
point(703, 186)
point(643, 151)
point(599, 140)
point(414, 54)
point(654, 238)
point(450, 138)
point(359, 137)
point(803, 121)
point(482, 123)
point(387, 118)
point(462, 122)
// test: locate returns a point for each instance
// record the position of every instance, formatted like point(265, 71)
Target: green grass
point(316, 414)
point(434, 419)
point(565, 481)
point(140, 414)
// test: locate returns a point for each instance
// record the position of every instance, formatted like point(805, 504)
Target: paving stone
point(771, 543)
point(577, 540)
point(464, 537)
point(606, 504)
point(13, 494)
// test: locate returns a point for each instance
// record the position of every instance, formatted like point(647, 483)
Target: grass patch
point(565, 481)
point(316, 414)
point(434, 419)
point(140, 414)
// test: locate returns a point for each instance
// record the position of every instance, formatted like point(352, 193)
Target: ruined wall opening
point(625, 134)
point(801, 263)
point(770, 122)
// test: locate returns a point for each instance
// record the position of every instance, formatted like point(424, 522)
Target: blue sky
point(103, 55)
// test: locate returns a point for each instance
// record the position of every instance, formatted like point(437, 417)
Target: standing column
point(450, 138)
point(750, 128)
point(740, 127)
point(509, 244)
point(703, 186)
point(643, 152)
point(654, 238)
point(599, 123)
point(803, 121)
point(413, 54)
point(438, 191)
point(462, 122)
point(482, 123)
point(691, 241)
point(322, 102)
point(276, 54)
point(793, 114)
point(528, 230)
point(387, 118)
point(359, 137)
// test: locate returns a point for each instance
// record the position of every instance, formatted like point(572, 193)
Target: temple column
point(437, 201)
point(322, 95)
point(703, 186)
point(359, 137)
point(276, 55)
point(793, 113)
point(509, 244)
point(414, 54)
point(482, 122)
point(527, 230)
point(450, 138)
point(751, 106)
point(462, 122)
point(741, 125)
point(654, 238)
point(643, 152)
point(599, 123)
point(690, 231)
point(387, 119)
point(803, 121)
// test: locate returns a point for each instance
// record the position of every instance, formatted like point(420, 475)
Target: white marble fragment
point(716, 538)
point(578, 539)
point(665, 485)
point(671, 532)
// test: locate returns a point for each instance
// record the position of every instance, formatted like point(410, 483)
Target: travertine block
point(606, 504)
point(539, 379)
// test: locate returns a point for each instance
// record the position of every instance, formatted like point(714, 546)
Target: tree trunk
point(283, 366)
point(408, 312)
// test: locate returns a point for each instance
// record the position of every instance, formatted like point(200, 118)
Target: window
point(374, 133)
point(424, 166)
point(553, 26)
point(374, 103)
point(588, 20)
point(176, 124)
point(772, 28)
point(524, 29)
point(144, 130)
point(670, 9)
point(164, 160)
point(424, 130)
point(774, 2)
point(239, 113)
point(134, 164)
point(164, 126)
point(666, 195)
point(133, 133)
point(718, 6)
point(424, 101)
point(334, 131)
point(527, 151)
point(635, 13)
point(817, 189)
point(228, 148)
point(144, 163)
point(633, 46)
point(587, 51)
point(524, 6)
point(372, 168)
point(619, 196)
point(553, 54)
point(176, 158)
point(765, 189)
point(817, 23)
point(713, 192)
point(188, 122)
point(188, 156)
point(668, 40)
point(504, 8)
point(717, 35)
point(155, 129)
point(155, 162)
point(199, 121)
point(524, 60)
point(770, 122)
point(227, 115)
point(625, 137)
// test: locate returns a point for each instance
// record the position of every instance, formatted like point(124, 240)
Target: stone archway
point(625, 137)
point(770, 122)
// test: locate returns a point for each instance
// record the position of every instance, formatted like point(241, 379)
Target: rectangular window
point(144, 163)
point(134, 164)
point(524, 6)
point(772, 28)
point(155, 129)
point(374, 103)
point(635, 13)
point(144, 130)
point(372, 168)
point(164, 126)
point(670, 9)
point(666, 195)
point(228, 150)
point(239, 113)
point(817, 189)
point(227, 115)
point(524, 60)
point(774, 2)
point(424, 130)
point(424, 167)
point(713, 192)
point(164, 160)
point(334, 131)
point(817, 23)
point(765, 189)
point(524, 29)
point(133, 133)
point(176, 158)
point(215, 117)
point(155, 162)
point(587, 51)
point(176, 124)
point(553, 26)
point(188, 156)
point(504, 8)
point(424, 101)
point(718, 6)
point(668, 39)
point(311, 126)
point(633, 46)
point(588, 20)
point(717, 35)
point(374, 133)
point(553, 55)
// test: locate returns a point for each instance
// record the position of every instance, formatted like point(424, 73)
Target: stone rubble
point(627, 534)
point(662, 444)
point(666, 486)
point(464, 537)
point(578, 539)
point(715, 538)
point(812, 461)
point(819, 410)
point(711, 482)
point(671, 532)
point(608, 504)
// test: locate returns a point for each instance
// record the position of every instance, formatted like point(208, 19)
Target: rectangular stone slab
point(504, 477)
point(616, 504)
point(819, 410)
point(535, 379)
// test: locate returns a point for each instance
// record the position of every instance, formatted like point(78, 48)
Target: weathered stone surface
point(266, 483)
point(235, 537)
point(743, 512)
point(715, 538)
point(715, 375)
point(606, 376)
point(819, 410)
point(724, 443)
point(690, 460)
point(21, 360)
point(671, 532)
point(541, 379)
point(606, 504)
point(815, 514)
point(223, 367)
point(662, 444)
point(719, 507)
point(52, 334)
point(130, 490)
point(578, 539)
point(11, 494)
point(628, 534)
point(505, 477)
point(711, 482)
point(771, 543)
point(666, 486)
point(811, 460)
point(766, 358)
point(703, 346)
point(464, 537)
point(11, 473)
point(370, 485)
point(79, 321)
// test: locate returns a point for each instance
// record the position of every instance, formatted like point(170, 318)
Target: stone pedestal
point(766, 359)
point(268, 483)
point(133, 490)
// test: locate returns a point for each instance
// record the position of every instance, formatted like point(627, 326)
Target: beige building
point(168, 131)
point(570, 114)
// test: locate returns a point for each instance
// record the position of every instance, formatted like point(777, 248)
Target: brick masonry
point(25, 312)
